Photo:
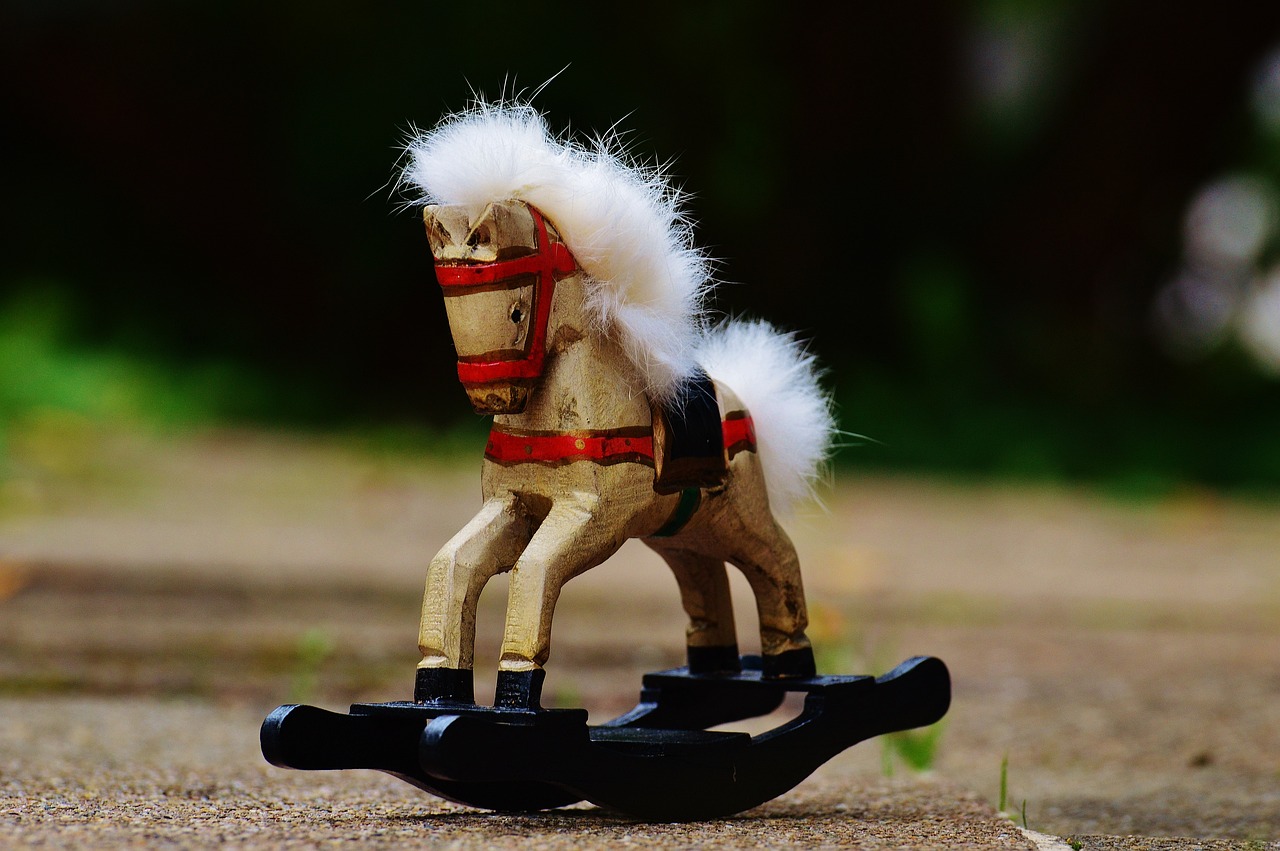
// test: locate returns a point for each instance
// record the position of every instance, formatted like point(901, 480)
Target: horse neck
point(587, 383)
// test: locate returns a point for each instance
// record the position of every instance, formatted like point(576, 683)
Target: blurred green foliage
point(315, 646)
point(44, 368)
point(970, 208)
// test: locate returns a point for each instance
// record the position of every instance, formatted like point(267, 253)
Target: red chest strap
point(608, 446)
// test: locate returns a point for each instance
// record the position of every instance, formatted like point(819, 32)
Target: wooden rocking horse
point(575, 300)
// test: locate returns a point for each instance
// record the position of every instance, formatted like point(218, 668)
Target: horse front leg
point(485, 547)
point(574, 537)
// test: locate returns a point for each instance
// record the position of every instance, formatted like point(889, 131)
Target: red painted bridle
point(552, 261)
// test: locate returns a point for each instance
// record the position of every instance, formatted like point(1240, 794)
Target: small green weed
point(1004, 796)
point(314, 647)
point(916, 749)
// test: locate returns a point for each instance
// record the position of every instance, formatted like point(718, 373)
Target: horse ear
point(503, 230)
point(447, 228)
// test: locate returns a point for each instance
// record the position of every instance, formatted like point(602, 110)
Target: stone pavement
point(158, 597)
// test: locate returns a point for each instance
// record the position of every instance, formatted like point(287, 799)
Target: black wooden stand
point(658, 761)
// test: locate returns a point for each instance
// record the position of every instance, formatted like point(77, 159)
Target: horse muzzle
point(498, 397)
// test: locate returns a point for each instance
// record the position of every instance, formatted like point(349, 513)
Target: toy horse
point(575, 299)
point(600, 433)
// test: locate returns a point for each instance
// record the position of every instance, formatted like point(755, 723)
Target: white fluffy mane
point(647, 282)
point(622, 220)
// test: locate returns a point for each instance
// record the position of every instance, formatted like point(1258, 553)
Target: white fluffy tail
point(777, 380)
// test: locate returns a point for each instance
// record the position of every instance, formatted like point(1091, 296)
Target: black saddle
point(688, 438)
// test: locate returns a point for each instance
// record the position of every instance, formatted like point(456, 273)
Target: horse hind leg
point(767, 558)
point(711, 637)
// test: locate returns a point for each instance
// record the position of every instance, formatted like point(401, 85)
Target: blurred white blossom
point(1195, 311)
point(1260, 322)
point(1266, 92)
point(1229, 221)
point(1220, 293)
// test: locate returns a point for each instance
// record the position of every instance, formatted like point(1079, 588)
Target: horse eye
point(516, 315)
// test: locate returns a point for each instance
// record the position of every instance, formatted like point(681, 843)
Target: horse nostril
point(479, 236)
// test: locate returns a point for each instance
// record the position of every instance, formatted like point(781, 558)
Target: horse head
point(498, 269)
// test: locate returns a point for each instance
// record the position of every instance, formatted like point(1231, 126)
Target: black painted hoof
point(519, 689)
point(444, 685)
point(714, 660)
point(793, 664)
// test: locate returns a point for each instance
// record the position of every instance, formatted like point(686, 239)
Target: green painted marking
point(690, 499)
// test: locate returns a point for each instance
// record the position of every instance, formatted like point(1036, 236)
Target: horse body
point(569, 471)
point(548, 519)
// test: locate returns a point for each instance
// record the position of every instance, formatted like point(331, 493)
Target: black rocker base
point(657, 761)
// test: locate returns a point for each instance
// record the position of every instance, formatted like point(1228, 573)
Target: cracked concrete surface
point(159, 596)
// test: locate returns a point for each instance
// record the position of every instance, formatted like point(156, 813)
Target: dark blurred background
point(1027, 239)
